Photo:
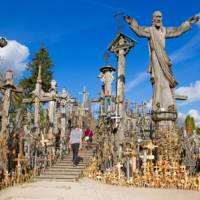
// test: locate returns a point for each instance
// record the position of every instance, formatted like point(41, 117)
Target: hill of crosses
point(131, 144)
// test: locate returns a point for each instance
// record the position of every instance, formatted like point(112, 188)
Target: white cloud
point(181, 118)
point(149, 104)
point(192, 91)
point(194, 113)
point(13, 57)
point(140, 77)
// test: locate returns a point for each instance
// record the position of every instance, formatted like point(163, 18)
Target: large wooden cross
point(38, 96)
point(8, 88)
point(20, 159)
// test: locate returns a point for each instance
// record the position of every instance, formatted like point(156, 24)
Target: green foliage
point(41, 58)
point(198, 130)
point(43, 118)
point(190, 124)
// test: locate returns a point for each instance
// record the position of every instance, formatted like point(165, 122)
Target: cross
point(8, 88)
point(85, 102)
point(144, 157)
point(151, 147)
point(128, 154)
point(99, 176)
point(174, 167)
point(19, 159)
point(198, 179)
point(144, 161)
point(64, 99)
point(119, 166)
point(156, 169)
point(38, 96)
point(116, 117)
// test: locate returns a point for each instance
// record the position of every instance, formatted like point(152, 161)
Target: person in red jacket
point(88, 134)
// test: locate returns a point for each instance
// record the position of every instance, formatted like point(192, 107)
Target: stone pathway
point(90, 190)
point(64, 170)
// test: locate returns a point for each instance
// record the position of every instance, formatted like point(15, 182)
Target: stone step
point(59, 167)
point(83, 153)
point(63, 170)
point(68, 164)
point(85, 161)
point(46, 176)
point(62, 173)
point(70, 157)
point(65, 165)
point(56, 179)
point(88, 154)
point(70, 161)
point(80, 159)
point(69, 171)
point(49, 179)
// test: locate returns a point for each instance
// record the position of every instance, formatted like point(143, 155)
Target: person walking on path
point(76, 141)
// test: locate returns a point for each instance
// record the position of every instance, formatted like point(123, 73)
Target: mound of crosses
point(159, 174)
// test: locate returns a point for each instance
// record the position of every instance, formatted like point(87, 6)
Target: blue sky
point(77, 34)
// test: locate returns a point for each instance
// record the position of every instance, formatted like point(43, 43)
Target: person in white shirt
point(76, 141)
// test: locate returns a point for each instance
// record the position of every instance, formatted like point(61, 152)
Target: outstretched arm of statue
point(177, 31)
point(139, 30)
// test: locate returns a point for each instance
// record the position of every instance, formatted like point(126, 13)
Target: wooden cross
point(64, 99)
point(150, 146)
point(198, 179)
point(38, 96)
point(8, 88)
point(156, 169)
point(85, 101)
point(119, 166)
point(144, 157)
point(174, 168)
point(99, 175)
point(19, 159)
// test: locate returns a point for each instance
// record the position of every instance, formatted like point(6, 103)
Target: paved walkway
point(90, 190)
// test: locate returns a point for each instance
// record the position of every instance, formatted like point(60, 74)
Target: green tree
point(198, 130)
point(190, 124)
point(41, 58)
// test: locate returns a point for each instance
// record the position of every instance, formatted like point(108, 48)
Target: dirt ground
point(90, 190)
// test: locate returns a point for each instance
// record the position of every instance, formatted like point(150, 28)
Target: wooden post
point(8, 88)
point(120, 47)
point(52, 110)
